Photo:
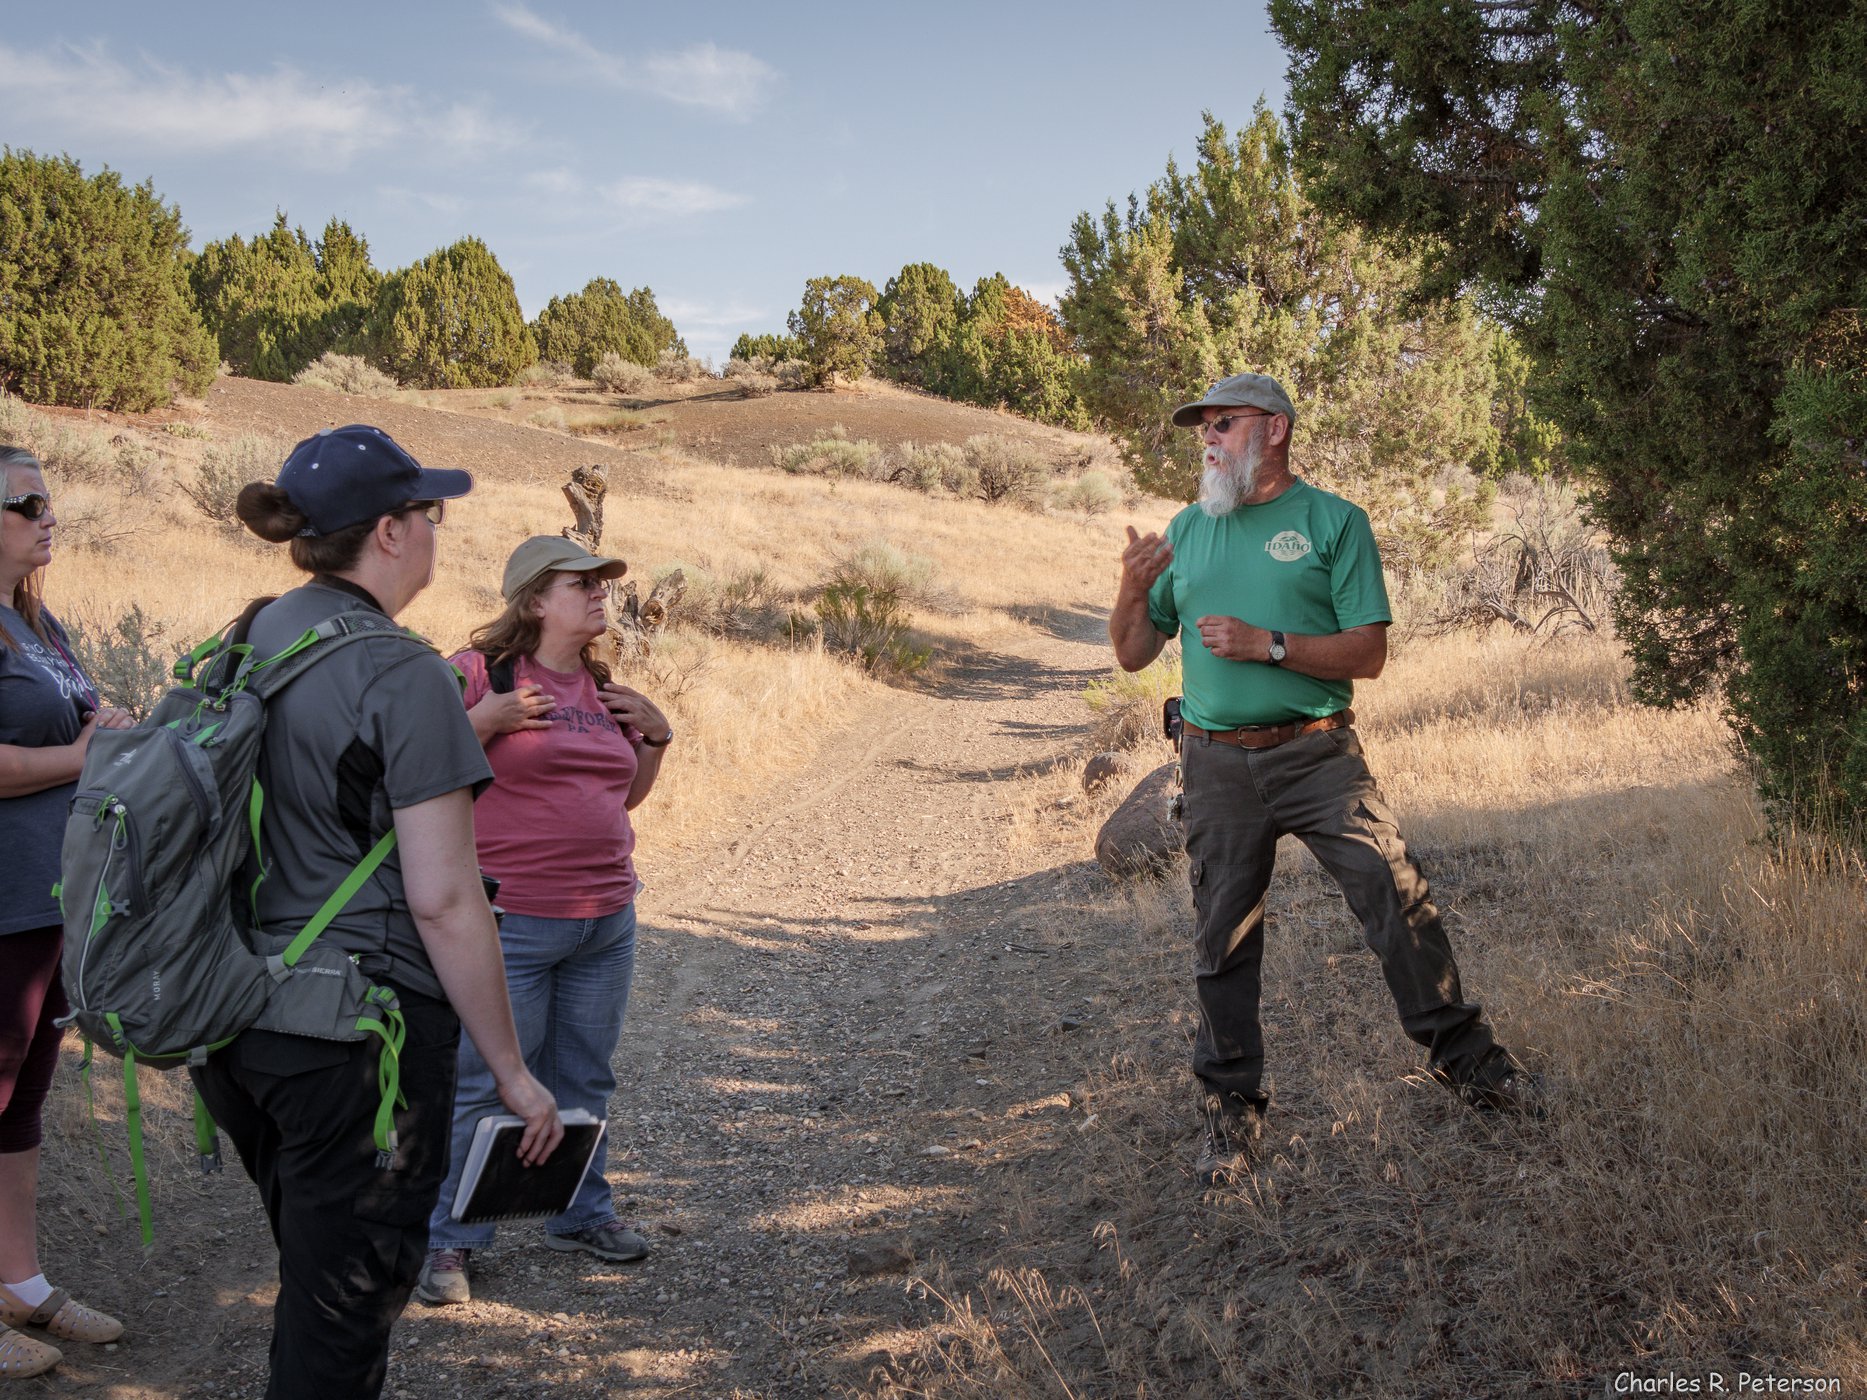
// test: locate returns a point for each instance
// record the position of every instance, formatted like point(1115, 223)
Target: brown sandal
point(22, 1356)
point(62, 1315)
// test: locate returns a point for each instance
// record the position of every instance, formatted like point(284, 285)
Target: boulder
point(1140, 838)
point(1105, 768)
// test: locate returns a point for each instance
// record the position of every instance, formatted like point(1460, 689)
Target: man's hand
point(510, 711)
point(530, 1100)
point(1233, 639)
point(1143, 561)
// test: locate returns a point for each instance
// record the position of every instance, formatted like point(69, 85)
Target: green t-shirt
point(1304, 563)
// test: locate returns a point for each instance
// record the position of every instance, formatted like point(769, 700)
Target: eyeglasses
point(32, 506)
point(436, 511)
point(1224, 425)
point(589, 583)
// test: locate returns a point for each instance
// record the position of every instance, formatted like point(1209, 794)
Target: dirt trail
point(832, 1003)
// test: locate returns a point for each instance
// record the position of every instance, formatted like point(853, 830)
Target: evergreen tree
point(837, 328)
point(347, 284)
point(1668, 203)
point(767, 347)
point(94, 304)
point(579, 329)
point(451, 321)
point(279, 302)
point(1228, 267)
point(919, 308)
point(1007, 348)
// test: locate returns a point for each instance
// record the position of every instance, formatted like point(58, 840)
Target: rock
point(879, 1259)
point(1104, 768)
point(1139, 838)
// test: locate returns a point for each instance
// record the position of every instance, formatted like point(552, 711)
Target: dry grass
point(1690, 990)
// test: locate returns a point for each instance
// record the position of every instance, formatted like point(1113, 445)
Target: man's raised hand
point(1144, 560)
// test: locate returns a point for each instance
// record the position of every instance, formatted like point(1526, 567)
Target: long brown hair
point(516, 631)
point(28, 600)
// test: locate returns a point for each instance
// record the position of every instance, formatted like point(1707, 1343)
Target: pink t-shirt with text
point(553, 828)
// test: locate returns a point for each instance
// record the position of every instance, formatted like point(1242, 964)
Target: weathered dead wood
point(585, 491)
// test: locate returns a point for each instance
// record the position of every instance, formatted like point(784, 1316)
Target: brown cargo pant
point(1317, 788)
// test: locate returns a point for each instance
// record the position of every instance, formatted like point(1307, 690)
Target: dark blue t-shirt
point(43, 698)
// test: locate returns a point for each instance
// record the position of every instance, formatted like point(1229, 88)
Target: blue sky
point(720, 154)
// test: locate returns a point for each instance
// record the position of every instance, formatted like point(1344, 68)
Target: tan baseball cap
point(542, 553)
point(1240, 391)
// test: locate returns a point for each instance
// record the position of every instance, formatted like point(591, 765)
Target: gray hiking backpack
point(164, 961)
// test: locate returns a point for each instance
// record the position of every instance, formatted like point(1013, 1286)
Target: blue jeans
point(569, 984)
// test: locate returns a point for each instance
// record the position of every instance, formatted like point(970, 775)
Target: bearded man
point(1282, 584)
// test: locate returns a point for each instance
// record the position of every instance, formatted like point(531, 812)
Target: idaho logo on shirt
point(1287, 547)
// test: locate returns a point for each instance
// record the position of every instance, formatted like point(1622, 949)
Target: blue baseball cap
point(344, 476)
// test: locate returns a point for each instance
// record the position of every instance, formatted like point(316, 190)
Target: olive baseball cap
point(544, 553)
point(344, 476)
point(1240, 391)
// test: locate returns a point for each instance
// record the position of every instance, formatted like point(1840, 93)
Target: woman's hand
point(632, 707)
point(112, 718)
point(526, 1098)
point(507, 712)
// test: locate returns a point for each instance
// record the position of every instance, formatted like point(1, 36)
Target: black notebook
point(495, 1185)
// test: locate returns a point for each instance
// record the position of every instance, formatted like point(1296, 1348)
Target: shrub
point(936, 466)
point(1127, 704)
point(676, 366)
point(882, 568)
point(346, 374)
point(225, 468)
point(451, 321)
point(868, 624)
point(1008, 470)
point(1092, 493)
point(94, 302)
point(550, 417)
point(743, 604)
point(186, 430)
point(753, 378)
point(832, 454)
point(124, 656)
point(547, 374)
point(615, 375)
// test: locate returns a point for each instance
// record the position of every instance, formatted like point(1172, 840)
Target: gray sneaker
point(1229, 1142)
point(444, 1278)
point(614, 1241)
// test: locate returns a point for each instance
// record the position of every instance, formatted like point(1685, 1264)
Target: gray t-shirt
point(375, 726)
point(44, 695)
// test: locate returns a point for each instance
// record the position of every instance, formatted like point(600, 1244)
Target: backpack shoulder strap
point(499, 674)
point(267, 678)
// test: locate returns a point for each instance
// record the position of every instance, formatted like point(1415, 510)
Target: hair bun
point(268, 512)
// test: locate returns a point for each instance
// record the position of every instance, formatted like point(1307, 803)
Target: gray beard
point(1222, 489)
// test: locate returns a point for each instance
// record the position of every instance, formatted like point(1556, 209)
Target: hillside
point(904, 1105)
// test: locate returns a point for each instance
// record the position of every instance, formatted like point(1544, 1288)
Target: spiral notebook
point(495, 1185)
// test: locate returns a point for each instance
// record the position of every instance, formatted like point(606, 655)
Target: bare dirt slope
point(839, 1029)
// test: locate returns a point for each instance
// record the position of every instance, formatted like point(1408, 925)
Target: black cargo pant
point(1317, 788)
point(351, 1235)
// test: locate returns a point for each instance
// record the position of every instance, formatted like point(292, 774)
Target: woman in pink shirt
point(572, 752)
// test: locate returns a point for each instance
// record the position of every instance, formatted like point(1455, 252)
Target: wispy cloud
point(637, 198)
point(728, 81)
point(86, 93)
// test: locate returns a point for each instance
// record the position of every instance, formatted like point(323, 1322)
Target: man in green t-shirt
point(1279, 584)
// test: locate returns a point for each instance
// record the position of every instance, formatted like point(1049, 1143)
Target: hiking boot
point(614, 1241)
point(444, 1278)
point(1228, 1142)
point(1500, 1087)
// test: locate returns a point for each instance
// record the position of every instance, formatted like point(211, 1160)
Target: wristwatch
point(1278, 651)
point(660, 743)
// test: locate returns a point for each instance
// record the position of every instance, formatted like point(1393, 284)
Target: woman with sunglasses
point(370, 740)
point(48, 711)
point(572, 753)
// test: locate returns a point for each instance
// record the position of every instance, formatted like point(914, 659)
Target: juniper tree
point(579, 329)
point(1667, 200)
point(836, 327)
point(451, 321)
point(94, 304)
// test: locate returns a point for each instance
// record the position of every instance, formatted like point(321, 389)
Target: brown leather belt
point(1269, 736)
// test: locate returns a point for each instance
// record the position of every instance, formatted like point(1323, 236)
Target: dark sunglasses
point(1224, 425)
point(31, 506)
